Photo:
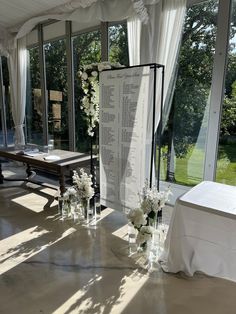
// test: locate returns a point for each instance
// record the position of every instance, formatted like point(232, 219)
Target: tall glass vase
point(65, 210)
point(85, 208)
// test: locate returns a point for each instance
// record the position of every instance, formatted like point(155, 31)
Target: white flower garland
point(89, 75)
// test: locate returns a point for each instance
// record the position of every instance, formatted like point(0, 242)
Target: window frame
point(217, 86)
point(216, 98)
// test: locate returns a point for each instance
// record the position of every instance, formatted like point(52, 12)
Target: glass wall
point(7, 110)
point(2, 104)
point(34, 107)
point(118, 44)
point(86, 50)
point(226, 163)
point(183, 143)
point(56, 82)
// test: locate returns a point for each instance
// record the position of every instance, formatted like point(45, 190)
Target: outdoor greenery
point(183, 150)
point(86, 50)
point(184, 136)
point(6, 86)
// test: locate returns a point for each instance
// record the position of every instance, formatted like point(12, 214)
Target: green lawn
point(189, 170)
point(226, 165)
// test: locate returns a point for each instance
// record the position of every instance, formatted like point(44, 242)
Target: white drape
point(105, 10)
point(160, 39)
point(134, 36)
point(17, 63)
point(167, 53)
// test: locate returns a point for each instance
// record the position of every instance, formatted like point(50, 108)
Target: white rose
point(94, 73)
point(84, 76)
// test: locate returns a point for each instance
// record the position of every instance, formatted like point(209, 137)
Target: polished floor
point(50, 266)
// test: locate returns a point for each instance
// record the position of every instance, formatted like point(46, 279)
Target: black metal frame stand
point(156, 138)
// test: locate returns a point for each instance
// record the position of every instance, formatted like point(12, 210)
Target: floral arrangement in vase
point(69, 199)
point(83, 185)
point(70, 195)
point(144, 218)
point(78, 196)
point(89, 75)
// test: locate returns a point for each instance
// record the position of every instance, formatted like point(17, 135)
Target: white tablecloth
point(202, 233)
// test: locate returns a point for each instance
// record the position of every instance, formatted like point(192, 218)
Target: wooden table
point(67, 162)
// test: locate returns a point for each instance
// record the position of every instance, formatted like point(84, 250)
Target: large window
point(56, 82)
point(226, 164)
point(118, 44)
point(6, 113)
point(183, 151)
point(87, 47)
point(86, 50)
point(34, 107)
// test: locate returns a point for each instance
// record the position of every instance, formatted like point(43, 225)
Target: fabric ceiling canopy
point(15, 12)
point(18, 18)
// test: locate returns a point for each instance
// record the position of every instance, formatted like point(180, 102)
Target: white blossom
point(84, 76)
point(94, 73)
point(145, 234)
point(83, 183)
point(137, 217)
point(90, 85)
point(151, 201)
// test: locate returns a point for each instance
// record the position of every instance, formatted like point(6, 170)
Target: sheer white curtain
point(160, 40)
point(159, 43)
point(17, 63)
point(134, 36)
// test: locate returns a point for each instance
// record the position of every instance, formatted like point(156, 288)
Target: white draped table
point(202, 232)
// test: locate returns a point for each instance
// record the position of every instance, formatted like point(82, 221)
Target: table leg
point(1, 175)
point(62, 183)
point(28, 171)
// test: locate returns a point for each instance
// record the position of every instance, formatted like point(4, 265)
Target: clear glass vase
point(85, 207)
point(65, 210)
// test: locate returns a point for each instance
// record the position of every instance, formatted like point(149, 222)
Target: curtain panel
point(17, 64)
point(158, 41)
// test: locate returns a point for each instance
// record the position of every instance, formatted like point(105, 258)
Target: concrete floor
point(50, 266)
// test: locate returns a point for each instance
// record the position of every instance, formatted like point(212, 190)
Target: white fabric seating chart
point(122, 135)
point(202, 233)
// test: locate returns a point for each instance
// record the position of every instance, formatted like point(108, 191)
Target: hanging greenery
point(89, 76)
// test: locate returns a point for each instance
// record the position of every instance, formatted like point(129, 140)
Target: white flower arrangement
point(89, 75)
point(152, 200)
point(69, 197)
point(70, 194)
point(142, 218)
point(144, 234)
point(83, 185)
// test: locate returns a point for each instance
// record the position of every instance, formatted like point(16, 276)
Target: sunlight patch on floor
point(122, 233)
point(83, 302)
point(74, 304)
point(33, 201)
point(23, 245)
point(129, 290)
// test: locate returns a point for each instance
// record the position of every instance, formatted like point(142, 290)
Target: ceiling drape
point(14, 45)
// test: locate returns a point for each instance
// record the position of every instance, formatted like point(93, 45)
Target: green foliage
point(194, 78)
point(192, 91)
point(86, 50)
point(118, 44)
point(228, 119)
point(194, 75)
